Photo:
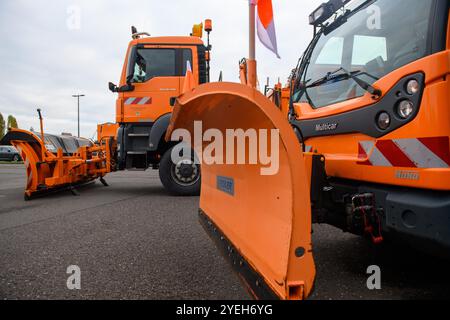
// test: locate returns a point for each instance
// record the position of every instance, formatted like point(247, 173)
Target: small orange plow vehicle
point(55, 162)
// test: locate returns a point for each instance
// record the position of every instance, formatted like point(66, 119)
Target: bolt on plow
point(60, 162)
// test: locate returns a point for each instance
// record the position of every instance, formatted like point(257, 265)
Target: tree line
point(11, 122)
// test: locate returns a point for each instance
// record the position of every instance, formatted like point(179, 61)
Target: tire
point(182, 178)
point(16, 158)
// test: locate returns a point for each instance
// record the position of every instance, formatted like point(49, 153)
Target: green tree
point(2, 126)
point(12, 122)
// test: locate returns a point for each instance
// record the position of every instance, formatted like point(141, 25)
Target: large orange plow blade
point(262, 222)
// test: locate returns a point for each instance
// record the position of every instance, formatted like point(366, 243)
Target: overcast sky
point(45, 56)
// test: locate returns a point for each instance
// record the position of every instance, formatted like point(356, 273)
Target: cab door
point(156, 79)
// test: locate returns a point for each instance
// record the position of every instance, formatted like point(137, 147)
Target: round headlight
point(384, 120)
point(412, 87)
point(405, 109)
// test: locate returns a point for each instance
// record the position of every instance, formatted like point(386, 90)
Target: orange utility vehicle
point(365, 147)
point(152, 78)
point(56, 162)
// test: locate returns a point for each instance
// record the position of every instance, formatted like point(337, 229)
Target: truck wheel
point(15, 158)
point(181, 178)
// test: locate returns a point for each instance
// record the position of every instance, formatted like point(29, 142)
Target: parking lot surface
point(133, 241)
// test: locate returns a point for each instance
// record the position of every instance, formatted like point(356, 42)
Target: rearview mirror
point(112, 87)
point(126, 88)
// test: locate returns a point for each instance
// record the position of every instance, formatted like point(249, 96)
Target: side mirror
point(112, 87)
point(126, 88)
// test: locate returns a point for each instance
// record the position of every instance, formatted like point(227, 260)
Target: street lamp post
point(78, 100)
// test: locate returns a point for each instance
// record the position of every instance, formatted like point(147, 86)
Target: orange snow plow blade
point(61, 162)
point(262, 222)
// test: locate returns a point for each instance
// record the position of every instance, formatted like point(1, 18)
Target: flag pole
point(252, 33)
point(251, 63)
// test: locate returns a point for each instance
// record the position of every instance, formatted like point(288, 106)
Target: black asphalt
point(133, 241)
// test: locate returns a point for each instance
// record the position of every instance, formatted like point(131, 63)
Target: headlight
point(405, 109)
point(412, 87)
point(384, 120)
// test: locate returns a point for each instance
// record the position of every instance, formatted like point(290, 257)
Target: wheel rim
point(185, 172)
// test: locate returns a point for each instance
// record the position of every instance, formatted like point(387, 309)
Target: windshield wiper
point(332, 76)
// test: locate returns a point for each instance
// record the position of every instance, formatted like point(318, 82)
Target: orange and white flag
point(266, 25)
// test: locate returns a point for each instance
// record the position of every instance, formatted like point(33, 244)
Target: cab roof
point(169, 40)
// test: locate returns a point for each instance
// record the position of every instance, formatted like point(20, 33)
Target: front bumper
point(417, 215)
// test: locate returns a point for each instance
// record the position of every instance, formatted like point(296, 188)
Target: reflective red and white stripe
point(138, 101)
point(408, 153)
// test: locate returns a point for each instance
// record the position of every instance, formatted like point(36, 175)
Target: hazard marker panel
point(138, 101)
point(408, 153)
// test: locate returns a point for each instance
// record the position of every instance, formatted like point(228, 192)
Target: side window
point(187, 56)
point(368, 48)
point(332, 52)
point(152, 63)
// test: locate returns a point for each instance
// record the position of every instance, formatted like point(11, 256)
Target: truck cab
point(152, 78)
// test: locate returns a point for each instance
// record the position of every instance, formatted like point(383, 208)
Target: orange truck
point(152, 78)
point(363, 145)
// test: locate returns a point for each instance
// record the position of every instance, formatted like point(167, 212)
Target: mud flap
point(262, 222)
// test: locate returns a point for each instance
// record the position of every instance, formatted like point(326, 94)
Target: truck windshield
point(152, 63)
point(158, 62)
point(378, 39)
